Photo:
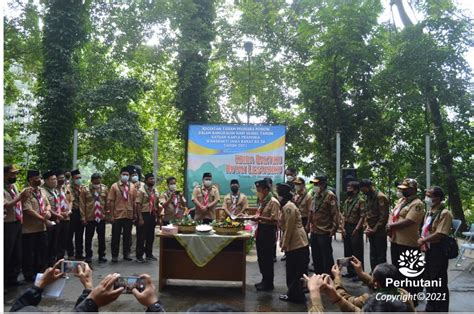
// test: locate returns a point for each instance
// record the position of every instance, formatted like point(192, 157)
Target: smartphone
point(69, 267)
point(343, 262)
point(129, 283)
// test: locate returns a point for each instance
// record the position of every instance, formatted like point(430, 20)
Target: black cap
point(48, 174)
point(262, 184)
point(283, 189)
point(234, 181)
point(75, 172)
point(96, 176)
point(32, 173)
point(125, 169)
point(207, 174)
point(318, 179)
point(149, 175)
point(59, 172)
point(365, 183)
point(269, 180)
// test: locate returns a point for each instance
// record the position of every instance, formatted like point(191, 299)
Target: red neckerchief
point(18, 207)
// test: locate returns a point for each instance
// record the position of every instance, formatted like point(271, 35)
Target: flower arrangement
point(186, 225)
point(227, 226)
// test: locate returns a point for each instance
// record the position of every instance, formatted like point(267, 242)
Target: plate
point(203, 228)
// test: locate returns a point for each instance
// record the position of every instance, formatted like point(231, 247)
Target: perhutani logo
point(411, 263)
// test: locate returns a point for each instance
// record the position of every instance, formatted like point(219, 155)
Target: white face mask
point(290, 178)
point(134, 178)
point(173, 187)
point(429, 201)
point(124, 178)
point(96, 186)
point(317, 189)
point(207, 183)
point(399, 194)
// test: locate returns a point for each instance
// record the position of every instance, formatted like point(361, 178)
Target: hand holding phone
point(130, 282)
point(343, 262)
point(69, 267)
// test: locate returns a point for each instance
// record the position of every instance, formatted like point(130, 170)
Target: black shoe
point(114, 259)
point(140, 260)
point(260, 284)
point(265, 288)
point(151, 258)
point(127, 258)
point(88, 260)
point(102, 260)
point(283, 258)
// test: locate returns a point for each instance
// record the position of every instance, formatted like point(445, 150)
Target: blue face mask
point(124, 178)
point(78, 181)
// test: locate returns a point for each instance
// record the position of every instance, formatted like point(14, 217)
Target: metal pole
point(338, 165)
point(74, 150)
point(428, 160)
point(155, 153)
point(248, 90)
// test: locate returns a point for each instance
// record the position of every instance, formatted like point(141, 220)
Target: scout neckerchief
point(263, 203)
point(323, 196)
point(349, 206)
point(429, 220)
point(234, 199)
point(205, 196)
point(10, 188)
point(98, 208)
point(56, 200)
point(39, 198)
point(396, 211)
point(62, 200)
point(151, 199)
point(124, 192)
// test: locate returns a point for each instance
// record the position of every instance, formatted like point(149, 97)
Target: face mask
point(11, 180)
point(259, 195)
point(36, 183)
point(60, 182)
point(290, 178)
point(317, 189)
point(234, 189)
point(124, 178)
point(399, 194)
point(350, 193)
point(429, 201)
point(173, 187)
point(96, 186)
point(78, 181)
point(134, 178)
point(406, 193)
point(207, 183)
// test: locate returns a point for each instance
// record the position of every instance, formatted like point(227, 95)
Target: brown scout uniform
point(31, 224)
point(294, 236)
point(143, 199)
point(325, 214)
point(69, 200)
point(169, 212)
point(441, 224)
point(9, 212)
point(304, 203)
point(353, 209)
point(51, 195)
point(271, 210)
point(413, 210)
point(198, 194)
point(121, 208)
point(236, 205)
point(87, 204)
point(377, 212)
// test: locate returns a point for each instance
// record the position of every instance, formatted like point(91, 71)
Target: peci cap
point(207, 175)
point(32, 173)
point(234, 181)
point(365, 183)
point(59, 172)
point(408, 183)
point(262, 184)
point(149, 175)
point(48, 174)
point(95, 176)
point(283, 189)
point(75, 172)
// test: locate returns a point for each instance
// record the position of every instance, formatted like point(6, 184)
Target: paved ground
point(179, 298)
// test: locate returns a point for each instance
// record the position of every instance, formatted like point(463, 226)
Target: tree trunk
point(446, 159)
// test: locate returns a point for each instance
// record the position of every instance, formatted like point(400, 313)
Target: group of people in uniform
point(46, 221)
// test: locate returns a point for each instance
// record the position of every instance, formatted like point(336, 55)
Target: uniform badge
point(333, 202)
point(381, 202)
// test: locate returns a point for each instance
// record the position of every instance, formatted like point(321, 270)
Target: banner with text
point(235, 151)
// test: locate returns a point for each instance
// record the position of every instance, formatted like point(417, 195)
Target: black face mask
point(350, 193)
point(11, 180)
point(406, 193)
point(234, 189)
point(36, 183)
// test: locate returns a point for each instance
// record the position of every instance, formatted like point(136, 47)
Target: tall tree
point(65, 31)
point(195, 22)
